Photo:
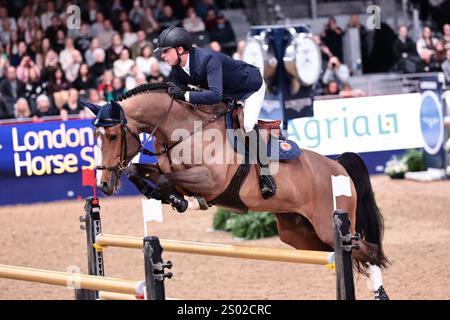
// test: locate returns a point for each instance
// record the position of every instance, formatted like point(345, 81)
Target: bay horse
point(303, 204)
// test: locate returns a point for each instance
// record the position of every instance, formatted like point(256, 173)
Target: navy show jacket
point(219, 75)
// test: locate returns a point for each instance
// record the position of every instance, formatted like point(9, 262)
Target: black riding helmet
point(173, 37)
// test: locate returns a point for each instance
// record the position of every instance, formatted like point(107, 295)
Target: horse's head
point(116, 144)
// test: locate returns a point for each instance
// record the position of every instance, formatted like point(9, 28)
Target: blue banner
point(43, 161)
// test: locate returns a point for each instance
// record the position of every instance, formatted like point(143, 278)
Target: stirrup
point(267, 186)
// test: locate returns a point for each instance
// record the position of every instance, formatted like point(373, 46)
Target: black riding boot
point(267, 184)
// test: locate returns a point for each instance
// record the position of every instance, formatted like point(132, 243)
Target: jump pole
point(69, 280)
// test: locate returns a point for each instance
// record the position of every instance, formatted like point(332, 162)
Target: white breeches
point(252, 108)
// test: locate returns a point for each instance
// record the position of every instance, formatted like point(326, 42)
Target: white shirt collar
point(186, 67)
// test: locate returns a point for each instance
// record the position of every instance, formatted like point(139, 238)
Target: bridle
point(122, 164)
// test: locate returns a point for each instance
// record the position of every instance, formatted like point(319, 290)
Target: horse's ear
point(94, 108)
point(117, 112)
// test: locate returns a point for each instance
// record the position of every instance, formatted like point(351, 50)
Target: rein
point(121, 165)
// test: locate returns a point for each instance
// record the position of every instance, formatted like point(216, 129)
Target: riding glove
point(176, 93)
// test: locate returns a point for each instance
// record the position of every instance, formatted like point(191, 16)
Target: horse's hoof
point(380, 294)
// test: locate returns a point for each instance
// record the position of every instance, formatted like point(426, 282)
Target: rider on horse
point(219, 76)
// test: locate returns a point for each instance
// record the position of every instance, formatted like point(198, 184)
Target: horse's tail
point(369, 221)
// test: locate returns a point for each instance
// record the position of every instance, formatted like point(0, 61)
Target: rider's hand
point(176, 93)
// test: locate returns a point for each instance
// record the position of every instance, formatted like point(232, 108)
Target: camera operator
point(336, 71)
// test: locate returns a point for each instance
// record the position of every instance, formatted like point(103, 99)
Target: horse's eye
point(112, 137)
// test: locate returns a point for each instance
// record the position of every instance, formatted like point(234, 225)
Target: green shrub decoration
point(414, 160)
point(253, 225)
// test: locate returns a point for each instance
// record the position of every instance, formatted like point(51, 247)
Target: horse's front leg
point(164, 191)
point(196, 181)
point(137, 172)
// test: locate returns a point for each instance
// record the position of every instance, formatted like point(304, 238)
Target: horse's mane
point(148, 87)
point(144, 88)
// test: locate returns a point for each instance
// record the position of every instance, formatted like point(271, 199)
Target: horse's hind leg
point(296, 231)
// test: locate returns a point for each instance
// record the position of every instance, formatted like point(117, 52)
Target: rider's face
point(170, 56)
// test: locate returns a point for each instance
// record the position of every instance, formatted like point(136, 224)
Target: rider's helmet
point(174, 37)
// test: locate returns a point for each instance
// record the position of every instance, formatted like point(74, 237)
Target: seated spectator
point(22, 51)
point(83, 40)
point(403, 45)
point(92, 11)
point(105, 36)
point(130, 80)
point(215, 46)
point(10, 90)
point(136, 48)
point(404, 51)
point(122, 66)
point(34, 39)
point(58, 88)
point(66, 57)
point(428, 62)
point(239, 50)
point(22, 110)
point(446, 68)
point(98, 26)
point(192, 23)
point(140, 79)
point(168, 19)
point(136, 14)
point(204, 6)
point(337, 72)
point(105, 87)
point(113, 52)
point(446, 36)
point(51, 31)
point(46, 17)
point(72, 107)
point(224, 34)
point(96, 98)
point(50, 59)
point(99, 67)
point(426, 41)
point(155, 74)
point(34, 87)
point(71, 72)
point(332, 88)
point(44, 107)
point(84, 81)
point(60, 40)
point(129, 37)
point(118, 88)
point(210, 19)
point(149, 24)
point(58, 82)
point(89, 54)
point(145, 60)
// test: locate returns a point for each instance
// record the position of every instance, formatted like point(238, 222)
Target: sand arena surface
point(47, 236)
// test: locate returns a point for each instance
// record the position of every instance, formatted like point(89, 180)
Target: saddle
point(278, 147)
point(271, 135)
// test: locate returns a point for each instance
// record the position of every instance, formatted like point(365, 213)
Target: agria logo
point(431, 122)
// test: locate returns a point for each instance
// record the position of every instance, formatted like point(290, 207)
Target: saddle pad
point(287, 150)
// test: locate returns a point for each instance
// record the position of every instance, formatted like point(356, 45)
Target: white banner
point(360, 125)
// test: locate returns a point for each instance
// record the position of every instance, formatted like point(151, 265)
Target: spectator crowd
point(45, 67)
